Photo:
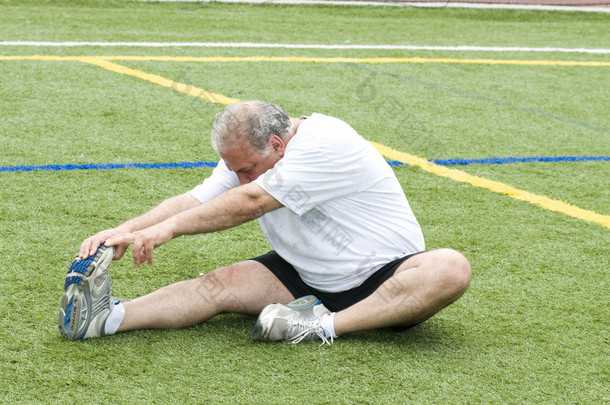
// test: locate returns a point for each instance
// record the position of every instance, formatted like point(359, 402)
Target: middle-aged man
point(348, 252)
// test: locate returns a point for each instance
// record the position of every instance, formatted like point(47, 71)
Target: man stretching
point(348, 253)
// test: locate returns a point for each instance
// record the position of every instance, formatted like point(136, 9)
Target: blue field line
point(508, 160)
point(530, 159)
point(195, 165)
point(107, 166)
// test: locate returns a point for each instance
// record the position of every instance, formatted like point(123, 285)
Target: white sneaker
point(87, 303)
point(297, 321)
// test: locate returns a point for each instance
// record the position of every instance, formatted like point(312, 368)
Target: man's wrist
point(172, 227)
point(125, 228)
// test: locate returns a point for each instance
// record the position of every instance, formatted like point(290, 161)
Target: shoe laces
point(310, 331)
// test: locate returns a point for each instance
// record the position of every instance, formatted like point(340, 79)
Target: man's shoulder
point(328, 143)
point(326, 132)
point(325, 122)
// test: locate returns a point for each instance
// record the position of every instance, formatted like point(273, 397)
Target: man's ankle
point(115, 318)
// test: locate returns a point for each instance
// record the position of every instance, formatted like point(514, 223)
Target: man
point(346, 244)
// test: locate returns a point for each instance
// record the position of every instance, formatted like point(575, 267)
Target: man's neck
point(293, 129)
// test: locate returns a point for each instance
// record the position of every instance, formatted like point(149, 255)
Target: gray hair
point(256, 121)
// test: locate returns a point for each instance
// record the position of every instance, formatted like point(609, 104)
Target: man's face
point(247, 163)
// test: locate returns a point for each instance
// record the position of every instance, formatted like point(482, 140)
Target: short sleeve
point(221, 180)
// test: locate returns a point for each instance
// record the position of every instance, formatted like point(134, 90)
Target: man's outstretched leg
point(88, 310)
point(244, 288)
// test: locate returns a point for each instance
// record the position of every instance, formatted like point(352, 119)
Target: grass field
point(534, 326)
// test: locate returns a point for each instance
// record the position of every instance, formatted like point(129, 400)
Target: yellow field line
point(39, 57)
point(177, 86)
point(463, 177)
point(300, 59)
point(457, 175)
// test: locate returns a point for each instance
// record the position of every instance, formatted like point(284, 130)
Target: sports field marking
point(524, 159)
point(302, 59)
point(51, 58)
point(435, 4)
point(177, 86)
point(105, 166)
point(481, 182)
point(200, 164)
point(457, 175)
point(352, 62)
point(459, 48)
point(220, 99)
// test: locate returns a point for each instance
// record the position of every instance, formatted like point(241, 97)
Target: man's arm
point(161, 212)
point(232, 208)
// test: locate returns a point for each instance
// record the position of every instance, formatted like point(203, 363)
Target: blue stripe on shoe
point(81, 265)
point(72, 280)
point(68, 315)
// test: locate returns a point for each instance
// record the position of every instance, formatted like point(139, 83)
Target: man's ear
point(277, 144)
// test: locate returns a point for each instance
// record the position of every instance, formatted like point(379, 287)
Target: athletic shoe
point(297, 321)
point(87, 302)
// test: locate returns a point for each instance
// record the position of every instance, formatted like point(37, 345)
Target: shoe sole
point(86, 285)
point(309, 301)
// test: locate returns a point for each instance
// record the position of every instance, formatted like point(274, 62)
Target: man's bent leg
point(245, 287)
point(422, 285)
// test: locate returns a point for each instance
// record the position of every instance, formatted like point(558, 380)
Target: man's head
point(251, 137)
point(254, 121)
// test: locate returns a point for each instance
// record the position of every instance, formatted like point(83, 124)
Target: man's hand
point(91, 244)
point(161, 212)
point(143, 241)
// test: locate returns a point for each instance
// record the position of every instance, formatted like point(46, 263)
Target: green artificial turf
point(148, 21)
point(534, 325)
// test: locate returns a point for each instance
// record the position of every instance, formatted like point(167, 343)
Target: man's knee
point(214, 281)
point(454, 270)
point(216, 287)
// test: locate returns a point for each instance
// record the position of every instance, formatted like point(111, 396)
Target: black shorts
point(334, 301)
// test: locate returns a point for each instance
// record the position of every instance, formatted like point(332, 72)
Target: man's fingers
point(142, 256)
point(143, 247)
point(120, 251)
point(149, 252)
point(92, 243)
point(124, 239)
point(89, 247)
point(143, 252)
point(136, 253)
point(83, 253)
point(122, 242)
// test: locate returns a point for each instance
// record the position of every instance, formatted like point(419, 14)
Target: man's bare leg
point(245, 287)
point(423, 285)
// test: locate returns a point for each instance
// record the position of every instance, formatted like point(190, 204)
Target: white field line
point(300, 46)
point(436, 4)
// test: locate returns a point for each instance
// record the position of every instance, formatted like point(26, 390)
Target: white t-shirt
point(345, 214)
